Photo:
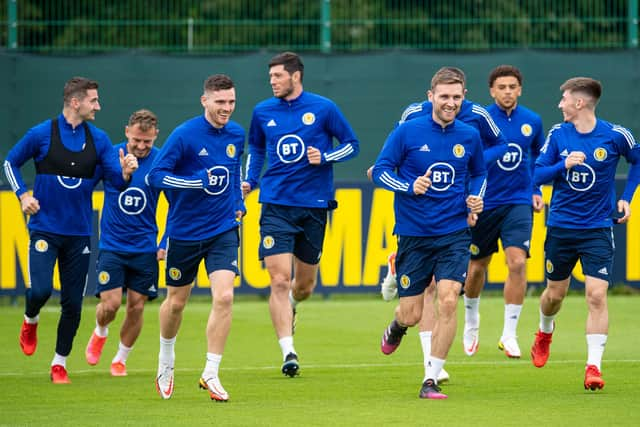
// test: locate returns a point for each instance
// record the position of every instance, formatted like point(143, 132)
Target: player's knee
point(280, 284)
point(447, 305)
point(410, 317)
point(517, 265)
point(304, 288)
point(175, 305)
point(40, 296)
point(135, 310)
point(597, 299)
point(224, 298)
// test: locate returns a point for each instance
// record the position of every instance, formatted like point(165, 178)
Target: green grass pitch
point(345, 380)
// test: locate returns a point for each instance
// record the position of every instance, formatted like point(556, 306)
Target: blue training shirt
point(510, 179)
point(65, 202)
point(199, 169)
point(453, 155)
point(584, 196)
point(493, 142)
point(283, 130)
point(128, 222)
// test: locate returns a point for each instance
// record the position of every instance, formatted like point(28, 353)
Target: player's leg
point(218, 327)
point(561, 255)
point(170, 319)
point(106, 310)
point(141, 279)
point(426, 325)
point(183, 259)
point(280, 270)
point(516, 237)
point(476, 274)
point(597, 330)
point(304, 280)
point(514, 291)
point(221, 263)
point(415, 264)
point(129, 331)
point(43, 252)
point(443, 334)
point(307, 250)
point(73, 264)
point(407, 314)
point(484, 242)
point(597, 262)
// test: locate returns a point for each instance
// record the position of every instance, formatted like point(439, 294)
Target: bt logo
point(218, 180)
point(512, 158)
point(581, 177)
point(132, 201)
point(443, 175)
point(290, 148)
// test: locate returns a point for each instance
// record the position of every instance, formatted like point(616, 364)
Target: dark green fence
point(218, 26)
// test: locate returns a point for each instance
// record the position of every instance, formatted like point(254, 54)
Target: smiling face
point(86, 107)
point(569, 104)
point(446, 100)
point(505, 91)
point(140, 142)
point(219, 105)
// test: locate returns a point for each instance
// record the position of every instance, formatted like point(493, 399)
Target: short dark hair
point(505, 71)
point(586, 85)
point(218, 82)
point(448, 75)
point(77, 87)
point(291, 62)
point(144, 118)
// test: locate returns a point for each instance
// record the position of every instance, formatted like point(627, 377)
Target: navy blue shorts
point(292, 230)
point(421, 258)
point(183, 257)
point(563, 247)
point(511, 224)
point(136, 271)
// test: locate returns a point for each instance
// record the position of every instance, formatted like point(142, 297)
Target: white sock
point(101, 331)
point(425, 341)
point(286, 345)
point(595, 349)
point(511, 317)
point(546, 323)
point(59, 360)
point(292, 300)
point(472, 312)
point(167, 353)
point(32, 320)
point(213, 365)
point(122, 354)
point(433, 369)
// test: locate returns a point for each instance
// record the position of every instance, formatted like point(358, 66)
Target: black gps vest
point(64, 162)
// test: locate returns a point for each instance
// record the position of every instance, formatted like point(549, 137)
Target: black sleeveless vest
point(64, 162)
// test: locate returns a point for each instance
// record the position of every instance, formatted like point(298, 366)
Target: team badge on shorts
point(600, 154)
point(458, 150)
point(308, 118)
point(405, 281)
point(268, 242)
point(41, 245)
point(526, 129)
point(174, 273)
point(103, 277)
point(231, 150)
point(474, 249)
point(549, 266)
